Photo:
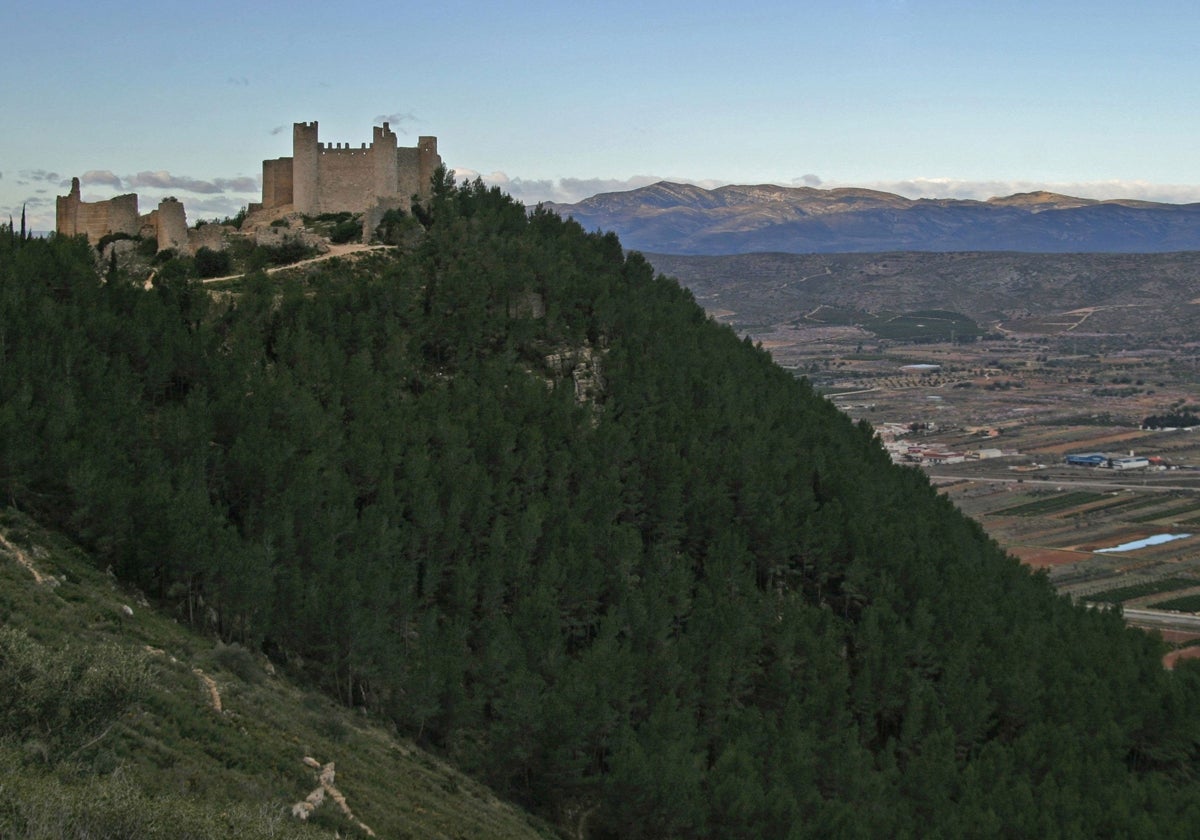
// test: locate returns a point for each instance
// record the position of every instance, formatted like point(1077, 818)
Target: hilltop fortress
point(334, 177)
point(317, 178)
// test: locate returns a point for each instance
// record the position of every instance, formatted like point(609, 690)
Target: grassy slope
point(189, 770)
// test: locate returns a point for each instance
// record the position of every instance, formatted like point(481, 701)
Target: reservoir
point(1157, 539)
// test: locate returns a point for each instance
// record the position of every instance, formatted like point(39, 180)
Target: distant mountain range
point(670, 218)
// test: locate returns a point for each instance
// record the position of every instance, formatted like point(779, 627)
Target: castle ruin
point(317, 178)
point(334, 177)
point(97, 219)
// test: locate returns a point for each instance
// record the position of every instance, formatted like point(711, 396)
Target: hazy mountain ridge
point(674, 218)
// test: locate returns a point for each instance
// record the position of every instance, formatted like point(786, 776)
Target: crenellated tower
point(386, 164)
point(306, 178)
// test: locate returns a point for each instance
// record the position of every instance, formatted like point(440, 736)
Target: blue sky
point(558, 101)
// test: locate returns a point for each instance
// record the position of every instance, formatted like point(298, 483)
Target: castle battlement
point(341, 148)
point(335, 177)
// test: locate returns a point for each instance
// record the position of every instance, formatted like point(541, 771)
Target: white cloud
point(570, 190)
point(27, 175)
point(99, 177)
point(983, 190)
point(395, 120)
point(220, 207)
point(164, 180)
point(32, 203)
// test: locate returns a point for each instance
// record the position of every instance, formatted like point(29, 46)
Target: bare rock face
point(583, 365)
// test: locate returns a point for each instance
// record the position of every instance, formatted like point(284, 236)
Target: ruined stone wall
point(172, 225)
point(96, 219)
point(277, 182)
point(211, 236)
point(117, 215)
point(415, 168)
point(66, 213)
point(428, 160)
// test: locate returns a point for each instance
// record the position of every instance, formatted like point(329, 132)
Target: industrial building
point(1112, 462)
point(1087, 459)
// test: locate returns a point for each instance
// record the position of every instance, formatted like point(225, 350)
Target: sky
point(558, 101)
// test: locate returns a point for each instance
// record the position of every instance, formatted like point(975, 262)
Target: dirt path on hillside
point(23, 559)
point(334, 251)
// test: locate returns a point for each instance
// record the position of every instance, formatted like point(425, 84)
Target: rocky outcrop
point(325, 787)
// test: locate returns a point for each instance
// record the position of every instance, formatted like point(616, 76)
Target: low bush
point(238, 661)
point(210, 263)
point(347, 231)
point(62, 698)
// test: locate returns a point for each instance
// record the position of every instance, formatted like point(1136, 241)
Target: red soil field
point(1044, 558)
point(1174, 656)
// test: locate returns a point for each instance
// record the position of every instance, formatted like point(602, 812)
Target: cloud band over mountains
point(571, 190)
point(223, 196)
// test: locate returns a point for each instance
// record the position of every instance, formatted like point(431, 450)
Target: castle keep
point(334, 177)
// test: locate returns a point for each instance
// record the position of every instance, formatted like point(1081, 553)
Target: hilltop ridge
point(671, 218)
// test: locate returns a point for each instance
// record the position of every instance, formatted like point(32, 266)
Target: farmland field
point(1050, 356)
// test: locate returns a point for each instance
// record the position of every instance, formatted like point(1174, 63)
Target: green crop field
point(1125, 593)
point(1172, 512)
point(1052, 504)
point(1189, 603)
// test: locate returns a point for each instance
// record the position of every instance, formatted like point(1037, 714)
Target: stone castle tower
point(334, 177)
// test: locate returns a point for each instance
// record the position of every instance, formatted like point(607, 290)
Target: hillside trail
point(25, 561)
point(334, 251)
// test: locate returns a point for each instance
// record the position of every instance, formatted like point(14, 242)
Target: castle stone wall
point(211, 236)
point(100, 218)
point(408, 180)
point(428, 160)
point(96, 219)
point(346, 180)
point(277, 182)
point(305, 180)
point(171, 225)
